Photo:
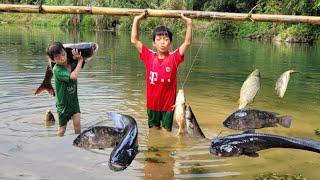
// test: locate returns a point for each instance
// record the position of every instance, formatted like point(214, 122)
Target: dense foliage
point(288, 32)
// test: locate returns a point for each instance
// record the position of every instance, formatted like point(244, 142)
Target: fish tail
point(45, 87)
point(285, 121)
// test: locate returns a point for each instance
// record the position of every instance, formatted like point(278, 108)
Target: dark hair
point(54, 49)
point(162, 31)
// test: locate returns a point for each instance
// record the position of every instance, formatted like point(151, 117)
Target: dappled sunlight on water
point(114, 81)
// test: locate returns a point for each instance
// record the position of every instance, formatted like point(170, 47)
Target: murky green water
point(114, 81)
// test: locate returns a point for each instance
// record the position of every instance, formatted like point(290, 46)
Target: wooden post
point(107, 11)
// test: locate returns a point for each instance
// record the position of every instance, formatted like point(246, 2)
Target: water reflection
point(159, 162)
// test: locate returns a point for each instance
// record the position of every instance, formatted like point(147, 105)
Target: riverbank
point(289, 33)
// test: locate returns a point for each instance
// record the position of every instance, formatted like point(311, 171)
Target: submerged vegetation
point(252, 30)
point(276, 176)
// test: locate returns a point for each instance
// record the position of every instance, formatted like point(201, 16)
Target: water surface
point(115, 81)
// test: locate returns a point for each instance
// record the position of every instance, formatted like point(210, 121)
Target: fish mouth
point(117, 166)
point(213, 151)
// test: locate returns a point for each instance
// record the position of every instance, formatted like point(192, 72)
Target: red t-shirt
point(161, 78)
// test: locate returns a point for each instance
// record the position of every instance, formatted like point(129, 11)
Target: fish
point(193, 128)
point(123, 138)
point(99, 137)
point(249, 143)
point(245, 119)
point(87, 50)
point(249, 89)
point(49, 118)
point(180, 111)
point(124, 153)
point(282, 82)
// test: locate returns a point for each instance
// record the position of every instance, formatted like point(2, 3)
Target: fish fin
point(249, 131)
point(251, 154)
point(45, 87)
point(285, 121)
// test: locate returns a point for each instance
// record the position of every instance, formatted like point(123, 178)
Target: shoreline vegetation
point(267, 31)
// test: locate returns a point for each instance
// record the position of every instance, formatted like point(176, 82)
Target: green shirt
point(66, 91)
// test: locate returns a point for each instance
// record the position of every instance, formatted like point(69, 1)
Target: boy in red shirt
point(161, 71)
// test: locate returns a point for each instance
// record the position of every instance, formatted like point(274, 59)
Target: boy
point(161, 70)
point(66, 86)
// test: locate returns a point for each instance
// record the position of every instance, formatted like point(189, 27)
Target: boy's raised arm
point(77, 56)
point(135, 31)
point(188, 39)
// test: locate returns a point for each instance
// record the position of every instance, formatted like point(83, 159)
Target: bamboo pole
point(107, 11)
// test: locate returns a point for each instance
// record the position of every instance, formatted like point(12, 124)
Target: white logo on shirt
point(153, 77)
point(71, 89)
point(168, 69)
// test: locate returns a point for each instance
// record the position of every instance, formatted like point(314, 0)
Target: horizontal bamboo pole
point(107, 11)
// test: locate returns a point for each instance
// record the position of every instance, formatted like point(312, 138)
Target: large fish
point(99, 137)
point(249, 143)
point(244, 119)
point(123, 138)
point(193, 128)
point(282, 82)
point(87, 50)
point(249, 89)
point(179, 112)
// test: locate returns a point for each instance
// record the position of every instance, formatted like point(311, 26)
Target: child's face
point(162, 43)
point(60, 58)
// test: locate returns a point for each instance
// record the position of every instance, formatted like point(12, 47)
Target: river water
point(115, 81)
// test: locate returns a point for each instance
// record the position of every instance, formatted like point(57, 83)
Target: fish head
point(84, 139)
point(293, 71)
point(121, 162)
point(234, 121)
point(224, 148)
point(94, 48)
point(189, 114)
point(122, 155)
point(190, 119)
point(180, 97)
point(256, 72)
point(49, 116)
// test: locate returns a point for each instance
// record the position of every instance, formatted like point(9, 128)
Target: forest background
point(300, 33)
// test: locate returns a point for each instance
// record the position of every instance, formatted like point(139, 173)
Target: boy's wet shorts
point(160, 118)
point(64, 118)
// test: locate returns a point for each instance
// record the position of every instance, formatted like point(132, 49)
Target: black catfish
point(127, 149)
point(244, 119)
point(87, 50)
point(193, 128)
point(123, 138)
point(248, 143)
